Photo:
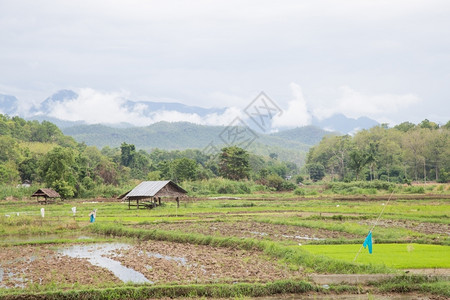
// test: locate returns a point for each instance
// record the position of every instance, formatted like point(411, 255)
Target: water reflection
point(95, 254)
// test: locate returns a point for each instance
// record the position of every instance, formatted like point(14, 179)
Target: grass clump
point(175, 291)
point(415, 283)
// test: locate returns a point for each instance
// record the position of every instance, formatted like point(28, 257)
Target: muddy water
point(96, 255)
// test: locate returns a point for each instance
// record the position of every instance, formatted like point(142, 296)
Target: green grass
point(172, 291)
point(297, 257)
point(415, 283)
point(400, 256)
point(114, 221)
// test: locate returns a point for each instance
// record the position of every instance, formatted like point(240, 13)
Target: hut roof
point(152, 188)
point(50, 193)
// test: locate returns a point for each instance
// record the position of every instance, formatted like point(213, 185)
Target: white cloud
point(296, 114)
point(355, 104)
point(94, 107)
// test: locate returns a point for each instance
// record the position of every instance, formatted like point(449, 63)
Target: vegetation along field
point(250, 225)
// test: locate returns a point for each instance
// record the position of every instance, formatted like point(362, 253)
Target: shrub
point(414, 190)
point(219, 186)
point(360, 187)
point(299, 179)
point(288, 186)
point(299, 192)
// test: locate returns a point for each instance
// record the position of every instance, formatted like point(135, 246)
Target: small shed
point(43, 195)
point(148, 194)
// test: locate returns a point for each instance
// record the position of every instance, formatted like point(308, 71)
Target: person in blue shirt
point(92, 216)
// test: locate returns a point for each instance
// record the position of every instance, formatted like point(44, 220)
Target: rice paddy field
point(266, 245)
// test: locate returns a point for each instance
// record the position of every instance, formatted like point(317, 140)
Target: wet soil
point(254, 230)
point(164, 262)
point(21, 266)
point(423, 227)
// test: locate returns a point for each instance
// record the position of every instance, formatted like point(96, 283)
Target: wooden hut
point(148, 194)
point(43, 195)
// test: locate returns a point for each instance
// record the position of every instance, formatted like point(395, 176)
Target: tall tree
point(358, 160)
point(57, 170)
point(234, 163)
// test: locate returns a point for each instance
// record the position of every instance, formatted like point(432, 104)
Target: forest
point(404, 153)
point(41, 154)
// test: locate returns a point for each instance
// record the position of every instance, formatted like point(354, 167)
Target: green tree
point(154, 175)
point(358, 160)
point(405, 126)
point(56, 168)
point(429, 125)
point(127, 153)
point(8, 173)
point(184, 169)
point(107, 171)
point(28, 168)
point(316, 171)
point(234, 163)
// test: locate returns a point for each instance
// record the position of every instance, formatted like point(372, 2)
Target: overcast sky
point(388, 60)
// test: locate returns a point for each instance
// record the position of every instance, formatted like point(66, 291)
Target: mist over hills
point(290, 144)
point(63, 109)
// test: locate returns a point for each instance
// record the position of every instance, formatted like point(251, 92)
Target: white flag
point(42, 212)
point(74, 210)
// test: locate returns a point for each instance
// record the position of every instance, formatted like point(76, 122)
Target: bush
point(288, 186)
point(360, 187)
point(275, 181)
point(299, 192)
point(299, 179)
point(414, 190)
point(219, 186)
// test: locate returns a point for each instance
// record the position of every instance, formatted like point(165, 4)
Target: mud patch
point(25, 265)
point(200, 264)
point(255, 230)
point(422, 227)
point(96, 255)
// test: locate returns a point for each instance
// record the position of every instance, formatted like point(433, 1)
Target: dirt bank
point(254, 230)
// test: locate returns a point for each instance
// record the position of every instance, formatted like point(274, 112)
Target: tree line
point(404, 153)
point(41, 153)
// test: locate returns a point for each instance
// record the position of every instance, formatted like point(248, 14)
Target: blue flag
point(368, 242)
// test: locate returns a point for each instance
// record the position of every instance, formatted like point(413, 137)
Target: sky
point(385, 59)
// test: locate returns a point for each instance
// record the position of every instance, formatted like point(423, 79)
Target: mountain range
point(43, 111)
point(290, 145)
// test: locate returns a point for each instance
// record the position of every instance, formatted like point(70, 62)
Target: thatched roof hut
point(153, 191)
point(45, 194)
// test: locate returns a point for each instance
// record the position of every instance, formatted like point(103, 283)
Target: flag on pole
point(368, 242)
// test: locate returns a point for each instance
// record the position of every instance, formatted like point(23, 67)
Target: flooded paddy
point(256, 230)
point(187, 263)
point(22, 266)
point(146, 262)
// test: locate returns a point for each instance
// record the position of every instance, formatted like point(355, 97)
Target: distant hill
point(341, 123)
point(291, 145)
point(309, 135)
point(8, 104)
